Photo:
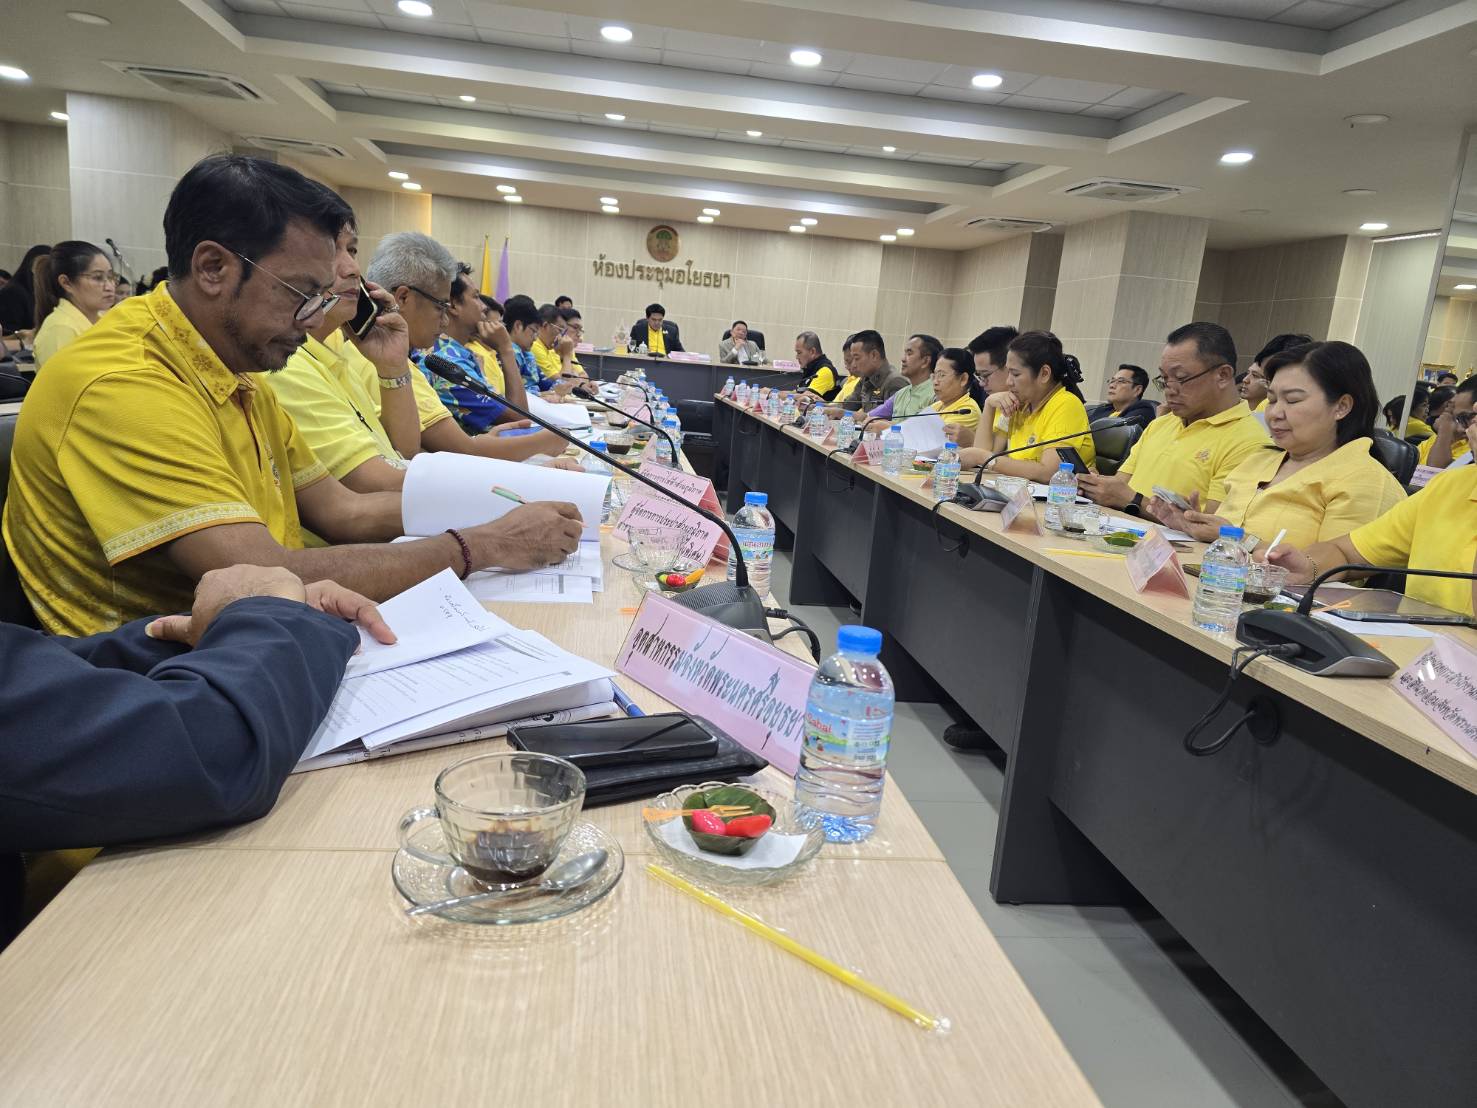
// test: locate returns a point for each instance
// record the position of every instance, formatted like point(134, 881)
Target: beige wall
point(125, 157)
point(1392, 325)
point(1452, 337)
point(34, 189)
point(1011, 282)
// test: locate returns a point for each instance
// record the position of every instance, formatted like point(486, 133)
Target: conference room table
point(273, 964)
point(1329, 876)
point(681, 380)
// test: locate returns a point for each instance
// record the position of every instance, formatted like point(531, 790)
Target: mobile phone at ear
point(1174, 498)
point(365, 315)
point(1069, 454)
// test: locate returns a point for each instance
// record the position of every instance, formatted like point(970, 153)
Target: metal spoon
point(561, 879)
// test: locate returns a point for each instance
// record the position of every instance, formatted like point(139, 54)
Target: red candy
point(708, 823)
point(748, 827)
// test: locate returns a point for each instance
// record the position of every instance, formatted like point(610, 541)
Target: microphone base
point(726, 603)
point(977, 498)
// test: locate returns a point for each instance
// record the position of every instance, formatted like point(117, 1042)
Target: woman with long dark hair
point(18, 297)
point(74, 285)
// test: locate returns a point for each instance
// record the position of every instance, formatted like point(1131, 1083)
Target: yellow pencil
point(819, 961)
point(1081, 553)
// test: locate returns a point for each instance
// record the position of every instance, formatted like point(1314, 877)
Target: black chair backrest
point(756, 337)
point(13, 386)
point(1398, 456)
point(1112, 444)
point(14, 607)
point(696, 417)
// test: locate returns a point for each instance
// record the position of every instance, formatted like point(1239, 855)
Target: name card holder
point(691, 488)
point(1020, 514)
point(1153, 566)
point(1442, 683)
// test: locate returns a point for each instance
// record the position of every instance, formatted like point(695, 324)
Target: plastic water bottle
point(946, 473)
point(787, 408)
point(741, 394)
point(674, 429)
point(893, 451)
point(846, 432)
point(601, 468)
point(1222, 584)
point(772, 405)
point(727, 386)
point(663, 446)
point(1061, 493)
point(754, 527)
point(816, 423)
point(848, 727)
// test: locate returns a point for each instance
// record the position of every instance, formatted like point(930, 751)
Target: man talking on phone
point(1208, 432)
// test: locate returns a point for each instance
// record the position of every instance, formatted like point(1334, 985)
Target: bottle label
point(862, 741)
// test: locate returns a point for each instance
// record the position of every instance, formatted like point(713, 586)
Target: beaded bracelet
point(466, 552)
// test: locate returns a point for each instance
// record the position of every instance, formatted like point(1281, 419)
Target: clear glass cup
point(1009, 486)
point(1264, 582)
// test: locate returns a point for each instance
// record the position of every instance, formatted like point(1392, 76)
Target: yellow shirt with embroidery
point(1318, 503)
point(63, 326)
point(1459, 448)
point(135, 435)
point(1195, 458)
point(1434, 529)
point(656, 340)
point(492, 367)
point(427, 403)
point(1059, 414)
point(964, 411)
point(333, 409)
point(848, 386)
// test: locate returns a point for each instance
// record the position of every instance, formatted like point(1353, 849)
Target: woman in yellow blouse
point(1318, 479)
point(74, 285)
point(1041, 402)
point(956, 393)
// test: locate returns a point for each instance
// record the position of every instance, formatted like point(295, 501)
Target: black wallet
point(643, 780)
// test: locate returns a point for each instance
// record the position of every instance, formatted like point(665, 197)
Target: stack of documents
point(456, 673)
point(575, 580)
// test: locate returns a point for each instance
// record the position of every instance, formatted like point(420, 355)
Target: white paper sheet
point(1366, 629)
point(438, 616)
point(567, 416)
point(923, 434)
point(533, 588)
point(584, 562)
point(770, 852)
point(455, 490)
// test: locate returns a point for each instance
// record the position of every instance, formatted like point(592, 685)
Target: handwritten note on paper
point(1442, 683)
point(435, 617)
point(1020, 514)
point(1153, 566)
point(746, 687)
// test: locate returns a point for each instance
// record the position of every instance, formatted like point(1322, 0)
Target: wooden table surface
point(273, 964)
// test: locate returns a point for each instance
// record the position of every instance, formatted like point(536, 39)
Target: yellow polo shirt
point(1434, 529)
point(1059, 414)
point(1459, 448)
point(964, 412)
point(62, 326)
point(1318, 503)
point(549, 363)
point(427, 402)
point(848, 386)
point(334, 411)
point(1262, 407)
point(492, 368)
point(1420, 427)
point(136, 435)
point(1194, 458)
point(656, 341)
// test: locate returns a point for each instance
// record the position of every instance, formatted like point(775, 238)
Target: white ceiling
point(1092, 88)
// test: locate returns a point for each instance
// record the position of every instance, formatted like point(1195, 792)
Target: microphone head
point(446, 370)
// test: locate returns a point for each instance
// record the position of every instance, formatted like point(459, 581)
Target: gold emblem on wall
point(663, 242)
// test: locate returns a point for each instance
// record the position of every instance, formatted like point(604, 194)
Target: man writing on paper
point(151, 454)
point(1207, 432)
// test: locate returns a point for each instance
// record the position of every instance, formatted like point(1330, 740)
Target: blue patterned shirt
point(473, 411)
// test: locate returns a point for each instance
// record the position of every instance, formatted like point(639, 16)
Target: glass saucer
point(718, 869)
point(422, 882)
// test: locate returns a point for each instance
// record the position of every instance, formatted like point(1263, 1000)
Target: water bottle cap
point(1229, 532)
point(858, 639)
point(1064, 465)
point(954, 446)
point(598, 444)
point(757, 498)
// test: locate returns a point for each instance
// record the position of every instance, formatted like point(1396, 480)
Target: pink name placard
point(697, 538)
point(1153, 566)
point(691, 488)
point(746, 687)
point(1442, 683)
point(1020, 513)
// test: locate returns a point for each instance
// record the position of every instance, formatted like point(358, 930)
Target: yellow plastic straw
point(819, 961)
point(1081, 553)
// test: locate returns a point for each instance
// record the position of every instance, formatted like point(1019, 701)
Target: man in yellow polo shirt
point(658, 333)
point(1450, 440)
point(553, 352)
point(149, 452)
point(1207, 433)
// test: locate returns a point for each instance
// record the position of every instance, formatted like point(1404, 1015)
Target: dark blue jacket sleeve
point(117, 738)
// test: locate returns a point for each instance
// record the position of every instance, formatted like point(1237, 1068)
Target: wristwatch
point(396, 382)
point(1249, 543)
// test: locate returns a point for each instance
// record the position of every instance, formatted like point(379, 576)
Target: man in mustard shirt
point(553, 352)
point(149, 453)
point(1207, 433)
point(1450, 440)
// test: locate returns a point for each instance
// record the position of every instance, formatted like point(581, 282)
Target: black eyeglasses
point(312, 304)
point(442, 306)
point(1164, 382)
point(1463, 420)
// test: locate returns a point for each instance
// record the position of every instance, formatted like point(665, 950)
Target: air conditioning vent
point(1125, 192)
point(192, 82)
point(294, 146)
point(1005, 223)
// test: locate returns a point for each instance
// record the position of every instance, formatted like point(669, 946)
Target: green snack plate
point(729, 794)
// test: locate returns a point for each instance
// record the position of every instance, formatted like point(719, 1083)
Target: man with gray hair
point(417, 271)
point(820, 377)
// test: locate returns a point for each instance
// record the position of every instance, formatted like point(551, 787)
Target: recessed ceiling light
point(987, 80)
point(465, 99)
point(60, 117)
point(11, 73)
point(806, 58)
point(1236, 157)
point(514, 198)
point(1374, 226)
point(711, 211)
point(796, 229)
point(889, 149)
point(609, 200)
point(418, 8)
point(615, 117)
point(888, 238)
point(808, 222)
point(614, 32)
point(1366, 119)
point(396, 175)
point(1464, 288)
point(705, 219)
point(754, 134)
point(610, 209)
point(90, 19)
point(507, 189)
point(905, 231)
point(1358, 192)
point(1256, 211)
point(413, 186)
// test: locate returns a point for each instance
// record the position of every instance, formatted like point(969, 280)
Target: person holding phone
point(1041, 401)
point(1317, 478)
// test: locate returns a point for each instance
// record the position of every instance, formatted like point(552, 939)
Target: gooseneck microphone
point(734, 604)
point(974, 495)
point(585, 395)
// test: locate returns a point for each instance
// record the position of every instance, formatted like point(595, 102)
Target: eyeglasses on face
point(312, 302)
point(1180, 382)
point(442, 306)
